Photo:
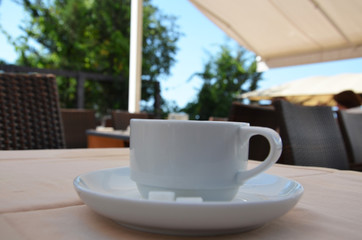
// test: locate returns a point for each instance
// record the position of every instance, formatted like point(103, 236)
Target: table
point(38, 201)
point(107, 139)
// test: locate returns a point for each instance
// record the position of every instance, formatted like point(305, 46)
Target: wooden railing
point(80, 77)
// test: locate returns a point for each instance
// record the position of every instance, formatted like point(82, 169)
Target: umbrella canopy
point(290, 32)
point(318, 90)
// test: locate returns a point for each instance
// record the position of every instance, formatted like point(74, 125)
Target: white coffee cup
point(206, 159)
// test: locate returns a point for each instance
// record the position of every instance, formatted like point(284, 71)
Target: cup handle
point(275, 143)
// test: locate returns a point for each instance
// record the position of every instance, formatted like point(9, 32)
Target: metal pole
point(135, 56)
point(80, 90)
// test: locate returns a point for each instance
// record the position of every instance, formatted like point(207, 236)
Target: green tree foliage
point(225, 76)
point(94, 36)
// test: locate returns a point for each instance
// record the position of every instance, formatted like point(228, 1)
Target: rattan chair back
point(310, 135)
point(29, 112)
point(351, 127)
point(75, 123)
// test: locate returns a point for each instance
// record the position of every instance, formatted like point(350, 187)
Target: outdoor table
point(38, 201)
point(107, 139)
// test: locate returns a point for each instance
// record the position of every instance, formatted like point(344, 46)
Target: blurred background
point(189, 64)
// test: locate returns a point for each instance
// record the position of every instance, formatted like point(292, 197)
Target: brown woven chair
point(310, 136)
point(351, 127)
point(121, 119)
point(29, 112)
point(75, 123)
point(263, 116)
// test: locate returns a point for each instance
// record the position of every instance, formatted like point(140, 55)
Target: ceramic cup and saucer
point(191, 178)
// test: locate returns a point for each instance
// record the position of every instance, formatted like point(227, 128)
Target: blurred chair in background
point(75, 123)
point(311, 136)
point(121, 119)
point(256, 115)
point(29, 112)
point(351, 127)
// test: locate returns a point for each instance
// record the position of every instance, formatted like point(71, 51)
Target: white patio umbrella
point(318, 90)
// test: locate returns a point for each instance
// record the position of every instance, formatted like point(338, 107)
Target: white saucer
point(113, 194)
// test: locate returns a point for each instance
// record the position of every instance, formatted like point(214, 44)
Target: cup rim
point(193, 122)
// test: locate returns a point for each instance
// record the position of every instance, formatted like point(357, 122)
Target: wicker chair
point(263, 116)
point(29, 112)
point(122, 119)
point(351, 127)
point(75, 123)
point(310, 136)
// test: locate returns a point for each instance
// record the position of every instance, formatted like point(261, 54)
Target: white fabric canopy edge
point(349, 49)
point(315, 57)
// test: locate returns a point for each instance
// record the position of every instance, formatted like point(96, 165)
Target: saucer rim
point(172, 218)
point(203, 203)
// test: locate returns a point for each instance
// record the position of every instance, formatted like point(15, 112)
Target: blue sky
point(201, 38)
